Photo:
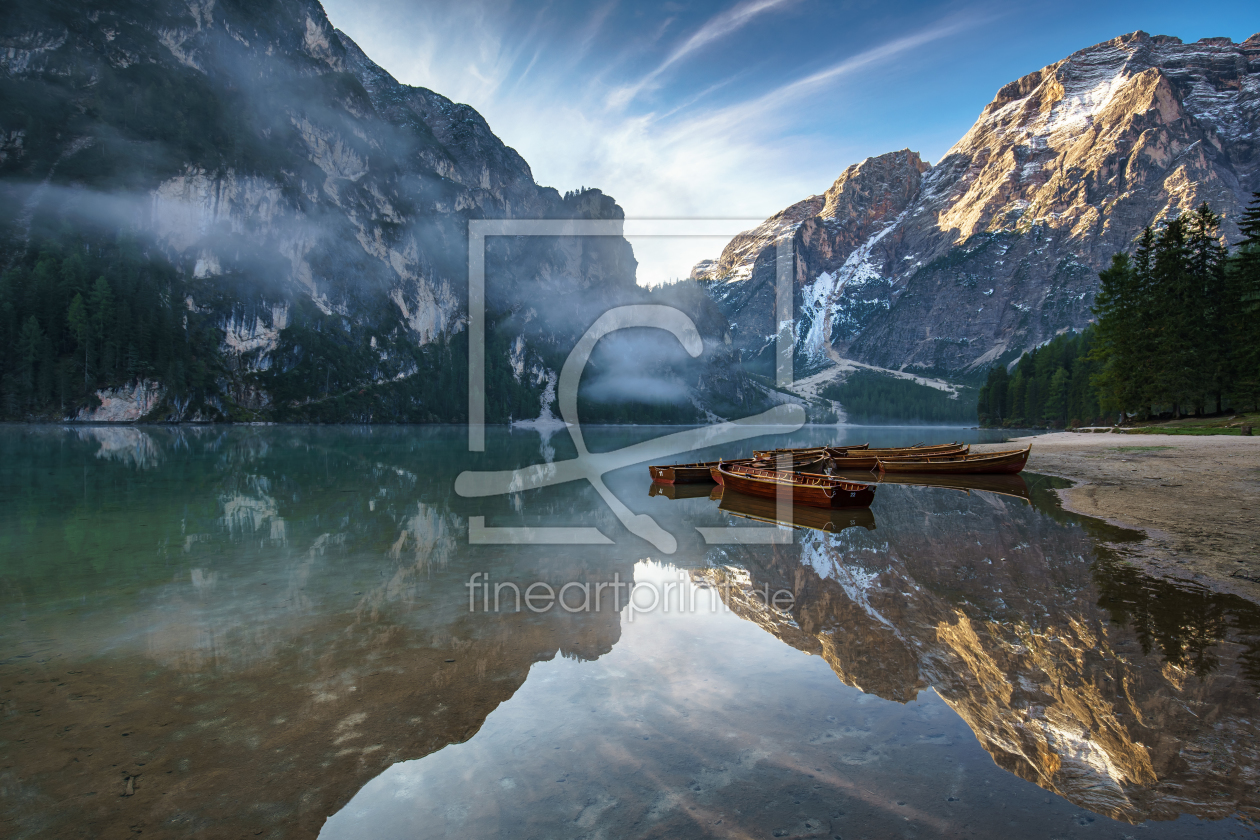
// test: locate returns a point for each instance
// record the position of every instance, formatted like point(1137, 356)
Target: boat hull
point(687, 473)
point(863, 461)
point(865, 450)
point(703, 472)
point(869, 459)
point(680, 474)
point(1002, 463)
point(808, 490)
point(695, 490)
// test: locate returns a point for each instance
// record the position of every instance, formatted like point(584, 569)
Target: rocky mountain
point(281, 228)
point(949, 269)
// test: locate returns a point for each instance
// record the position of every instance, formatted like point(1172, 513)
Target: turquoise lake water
point(284, 632)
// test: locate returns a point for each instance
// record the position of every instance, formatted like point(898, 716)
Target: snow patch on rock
point(822, 302)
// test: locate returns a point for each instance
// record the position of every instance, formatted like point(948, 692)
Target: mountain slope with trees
point(1178, 332)
point(945, 269)
point(229, 206)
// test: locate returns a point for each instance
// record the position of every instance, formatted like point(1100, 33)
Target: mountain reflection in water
point(1130, 697)
point(219, 632)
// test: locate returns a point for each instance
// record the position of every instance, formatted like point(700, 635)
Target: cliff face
point(996, 248)
point(1128, 698)
point(301, 194)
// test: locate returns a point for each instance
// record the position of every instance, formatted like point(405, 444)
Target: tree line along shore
point(1177, 335)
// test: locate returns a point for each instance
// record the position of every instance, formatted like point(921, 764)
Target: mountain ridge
point(309, 210)
point(1064, 167)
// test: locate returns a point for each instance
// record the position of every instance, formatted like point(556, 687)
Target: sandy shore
point(1196, 498)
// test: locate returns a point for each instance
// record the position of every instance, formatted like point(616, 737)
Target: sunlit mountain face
point(274, 628)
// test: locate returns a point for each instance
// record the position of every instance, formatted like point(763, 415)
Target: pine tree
point(80, 327)
point(1209, 311)
point(1249, 224)
point(1057, 398)
point(1121, 331)
point(1145, 342)
point(1242, 320)
point(101, 304)
point(1015, 394)
point(1178, 328)
point(1176, 314)
point(992, 400)
point(30, 351)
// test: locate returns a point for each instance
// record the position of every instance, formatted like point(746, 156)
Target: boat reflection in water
point(797, 516)
point(693, 490)
point(1005, 485)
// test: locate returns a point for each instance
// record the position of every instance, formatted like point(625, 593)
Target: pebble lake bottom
point(266, 631)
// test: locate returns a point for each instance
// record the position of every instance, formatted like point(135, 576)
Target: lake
point(293, 632)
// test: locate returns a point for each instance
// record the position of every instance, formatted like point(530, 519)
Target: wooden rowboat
point(1010, 461)
point(815, 450)
point(1003, 484)
point(702, 472)
point(797, 516)
point(864, 450)
point(818, 491)
point(686, 473)
point(818, 466)
point(918, 449)
point(693, 490)
point(869, 461)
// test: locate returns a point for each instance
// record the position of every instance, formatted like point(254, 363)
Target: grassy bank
point(1225, 424)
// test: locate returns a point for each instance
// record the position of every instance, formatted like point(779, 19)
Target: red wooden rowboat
point(694, 473)
point(798, 488)
point(865, 448)
point(686, 473)
point(866, 459)
point(818, 466)
point(870, 460)
point(1010, 461)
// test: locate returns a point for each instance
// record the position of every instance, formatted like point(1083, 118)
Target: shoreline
point(1196, 500)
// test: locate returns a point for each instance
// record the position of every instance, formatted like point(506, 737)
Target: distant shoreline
point(158, 424)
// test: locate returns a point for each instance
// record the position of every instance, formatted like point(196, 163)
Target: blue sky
point(736, 109)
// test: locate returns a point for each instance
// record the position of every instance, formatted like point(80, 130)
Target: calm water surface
point(267, 632)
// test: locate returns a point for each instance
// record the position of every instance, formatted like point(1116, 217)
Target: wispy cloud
point(756, 111)
point(714, 29)
point(712, 144)
point(586, 38)
point(719, 26)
